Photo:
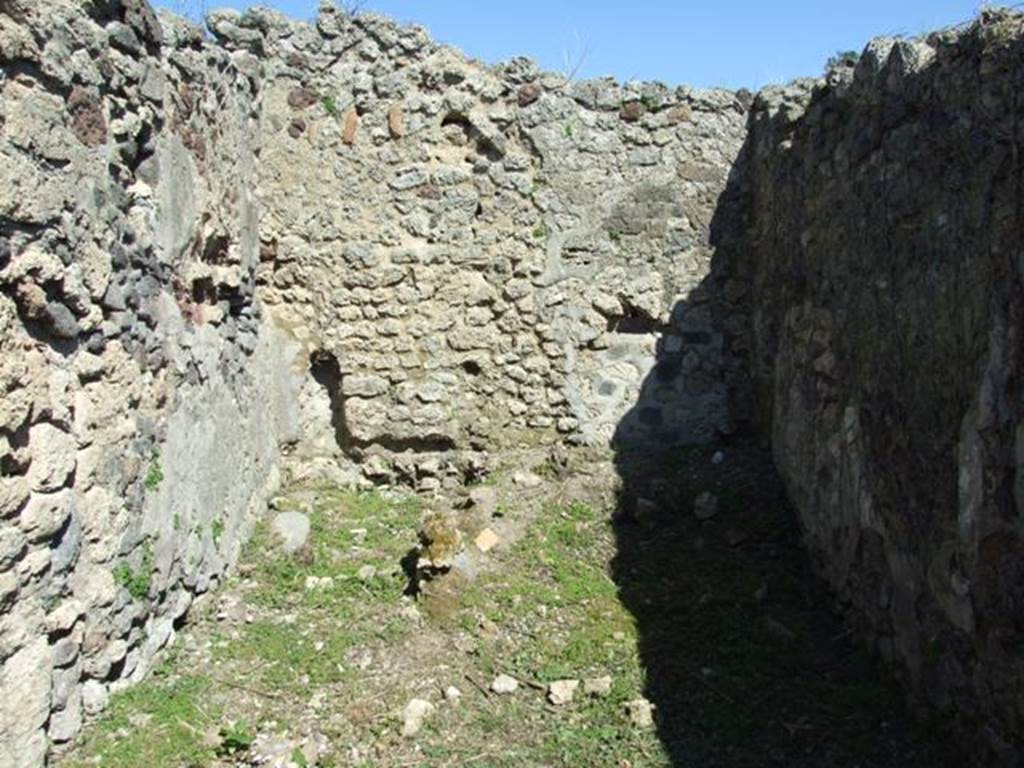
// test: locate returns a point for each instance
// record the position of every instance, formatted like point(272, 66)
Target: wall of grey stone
point(885, 285)
point(132, 351)
point(489, 255)
point(346, 238)
point(455, 258)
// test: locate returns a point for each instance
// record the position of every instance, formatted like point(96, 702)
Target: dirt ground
point(693, 626)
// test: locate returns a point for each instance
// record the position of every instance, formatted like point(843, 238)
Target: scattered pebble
point(319, 582)
point(484, 499)
point(412, 614)
point(366, 573)
point(718, 458)
point(451, 693)
point(269, 749)
point(598, 686)
point(291, 530)
point(705, 506)
point(776, 628)
point(486, 540)
point(504, 684)
point(527, 479)
point(232, 609)
point(413, 715)
point(640, 713)
point(645, 509)
point(561, 692)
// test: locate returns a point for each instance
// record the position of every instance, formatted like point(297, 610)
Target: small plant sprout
point(137, 582)
point(217, 530)
point(236, 737)
point(155, 474)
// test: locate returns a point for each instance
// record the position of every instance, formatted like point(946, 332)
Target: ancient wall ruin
point(883, 255)
point(347, 240)
point(140, 408)
point(489, 255)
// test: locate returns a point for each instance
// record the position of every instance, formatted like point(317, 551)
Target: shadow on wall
point(745, 663)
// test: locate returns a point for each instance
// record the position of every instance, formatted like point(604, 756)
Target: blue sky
point(734, 43)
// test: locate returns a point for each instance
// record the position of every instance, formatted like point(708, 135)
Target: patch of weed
point(217, 530)
point(137, 580)
point(236, 737)
point(160, 722)
point(155, 473)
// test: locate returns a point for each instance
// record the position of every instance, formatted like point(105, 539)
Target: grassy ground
point(718, 623)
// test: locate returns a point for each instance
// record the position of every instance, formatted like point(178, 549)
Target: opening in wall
point(324, 368)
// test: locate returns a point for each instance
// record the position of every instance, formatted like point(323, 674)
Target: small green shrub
point(217, 530)
point(235, 738)
point(546, 469)
point(568, 130)
point(330, 106)
point(137, 582)
point(842, 59)
point(155, 474)
point(540, 231)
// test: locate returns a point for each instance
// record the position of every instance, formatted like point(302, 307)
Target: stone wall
point(135, 368)
point(884, 261)
point(483, 256)
point(455, 258)
point(344, 238)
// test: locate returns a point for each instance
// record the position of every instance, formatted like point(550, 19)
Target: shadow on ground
point(744, 661)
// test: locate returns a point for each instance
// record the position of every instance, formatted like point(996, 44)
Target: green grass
point(236, 737)
point(336, 618)
point(137, 580)
point(217, 530)
point(665, 606)
point(160, 722)
point(155, 473)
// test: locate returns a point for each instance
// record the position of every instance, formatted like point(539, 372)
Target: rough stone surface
point(504, 684)
point(562, 692)
point(413, 715)
point(503, 259)
point(884, 275)
point(345, 238)
point(291, 530)
point(132, 351)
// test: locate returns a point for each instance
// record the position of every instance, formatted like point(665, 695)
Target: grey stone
point(705, 506)
point(292, 531)
point(562, 692)
point(504, 684)
point(94, 697)
point(62, 320)
point(413, 715)
point(25, 706)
